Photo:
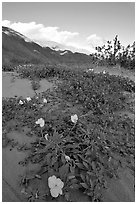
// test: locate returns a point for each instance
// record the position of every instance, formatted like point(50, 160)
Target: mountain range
point(18, 49)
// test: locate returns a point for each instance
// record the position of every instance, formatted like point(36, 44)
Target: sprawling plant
point(81, 142)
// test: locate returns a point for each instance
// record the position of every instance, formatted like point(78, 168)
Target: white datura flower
point(21, 102)
point(45, 100)
point(55, 185)
point(67, 158)
point(28, 99)
point(40, 122)
point(74, 118)
point(46, 136)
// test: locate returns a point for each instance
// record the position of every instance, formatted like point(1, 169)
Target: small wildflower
point(21, 102)
point(23, 191)
point(55, 185)
point(109, 159)
point(45, 100)
point(74, 118)
point(67, 158)
point(28, 99)
point(46, 136)
point(91, 70)
point(41, 122)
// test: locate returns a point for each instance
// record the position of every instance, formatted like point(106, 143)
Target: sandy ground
point(116, 71)
point(13, 86)
point(119, 190)
point(122, 189)
point(12, 171)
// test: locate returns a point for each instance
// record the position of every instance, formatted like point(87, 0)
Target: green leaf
point(80, 165)
point(84, 185)
point(71, 177)
point(51, 172)
point(82, 177)
point(53, 160)
point(63, 159)
point(63, 171)
point(38, 176)
point(72, 146)
point(48, 158)
point(93, 165)
point(75, 186)
point(67, 196)
point(88, 152)
point(56, 137)
point(50, 145)
point(56, 165)
point(72, 169)
point(90, 194)
point(74, 180)
point(91, 183)
point(85, 164)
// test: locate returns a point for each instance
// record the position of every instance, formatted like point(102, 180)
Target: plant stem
point(41, 133)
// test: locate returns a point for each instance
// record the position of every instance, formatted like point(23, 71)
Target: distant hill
point(58, 46)
point(18, 49)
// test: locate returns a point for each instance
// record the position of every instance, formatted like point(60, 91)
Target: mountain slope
point(18, 49)
point(15, 49)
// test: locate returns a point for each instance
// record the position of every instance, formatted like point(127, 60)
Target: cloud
point(6, 23)
point(41, 34)
point(81, 47)
point(88, 44)
point(95, 40)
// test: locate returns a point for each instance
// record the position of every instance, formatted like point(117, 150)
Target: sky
point(79, 25)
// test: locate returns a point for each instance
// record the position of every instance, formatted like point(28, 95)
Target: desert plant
point(115, 53)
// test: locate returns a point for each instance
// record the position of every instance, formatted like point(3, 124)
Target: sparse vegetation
point(84, 152)
point(35, 84)
point(80, 138)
